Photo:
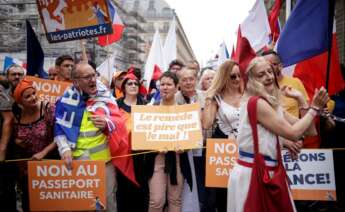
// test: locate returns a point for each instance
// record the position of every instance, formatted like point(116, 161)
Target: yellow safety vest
point(92, 142)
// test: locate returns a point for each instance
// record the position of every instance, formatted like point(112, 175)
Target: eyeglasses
point(132, 83)
point(235, 76)
point(16, 74)
point(89, 77)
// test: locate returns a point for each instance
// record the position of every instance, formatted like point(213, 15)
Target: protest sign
point(166, 127)
point(53, 187)
point(48, 90)
point(311, 176)
point(65, 20)
point(221, 156)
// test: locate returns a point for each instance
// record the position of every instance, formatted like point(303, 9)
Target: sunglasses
point(132, 83)
point(235, 76)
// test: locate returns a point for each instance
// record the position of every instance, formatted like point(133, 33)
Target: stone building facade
point(132, 49)
point(158, 14)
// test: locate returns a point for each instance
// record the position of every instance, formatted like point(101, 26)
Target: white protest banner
point(166, 127)
point(311, 176)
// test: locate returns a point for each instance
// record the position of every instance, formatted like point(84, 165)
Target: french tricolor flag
point(304, 46)
point(118, 27)
point(253, 35)
point(9, 61)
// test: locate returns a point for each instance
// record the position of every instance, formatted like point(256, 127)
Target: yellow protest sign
point(48, 90)
point(166, 127)
point(53, 187)
point(221, 156)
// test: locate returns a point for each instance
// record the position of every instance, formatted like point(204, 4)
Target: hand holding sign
point(39, 156)
point(67, 157)
point(293, 147)
point(179, 149)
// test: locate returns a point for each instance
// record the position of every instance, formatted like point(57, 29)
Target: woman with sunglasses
point(222, 109)
point(126, 191)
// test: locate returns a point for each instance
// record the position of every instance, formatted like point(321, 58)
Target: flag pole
point(83, 51)
point(288, 9)
point(107, 48)
point(330, 34)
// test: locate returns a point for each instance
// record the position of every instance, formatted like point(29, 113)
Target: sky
point(208, 23)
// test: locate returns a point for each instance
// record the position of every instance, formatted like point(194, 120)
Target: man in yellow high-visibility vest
point(92, 142)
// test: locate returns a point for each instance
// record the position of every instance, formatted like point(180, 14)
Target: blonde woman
point(223, 107)
point(206, 79)
point(223, 100)
point(271, 122)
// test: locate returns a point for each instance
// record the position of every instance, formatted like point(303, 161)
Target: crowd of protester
point(32, 129)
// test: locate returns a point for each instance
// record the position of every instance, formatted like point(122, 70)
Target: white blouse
point(228, 117)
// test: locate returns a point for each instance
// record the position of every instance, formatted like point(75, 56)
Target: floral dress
point(36, 135)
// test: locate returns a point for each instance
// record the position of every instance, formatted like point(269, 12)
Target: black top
point(121, 103)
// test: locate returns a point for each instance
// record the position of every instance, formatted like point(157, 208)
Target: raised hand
point(320, 98)
point(291, 92)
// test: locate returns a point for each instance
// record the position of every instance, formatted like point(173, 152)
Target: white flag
point(107, 68)
point(223, 54)
point(155, 57)
point(169, 48)
point(256, 27)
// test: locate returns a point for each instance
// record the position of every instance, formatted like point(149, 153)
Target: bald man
point(52, 73)
point(92, 140)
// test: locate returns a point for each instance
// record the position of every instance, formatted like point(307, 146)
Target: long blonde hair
point(221, 81)
point(255, 88)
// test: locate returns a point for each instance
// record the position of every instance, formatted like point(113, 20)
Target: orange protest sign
point(49, 90)
point(53, 187)
point(166, 127)
point(221, 156)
